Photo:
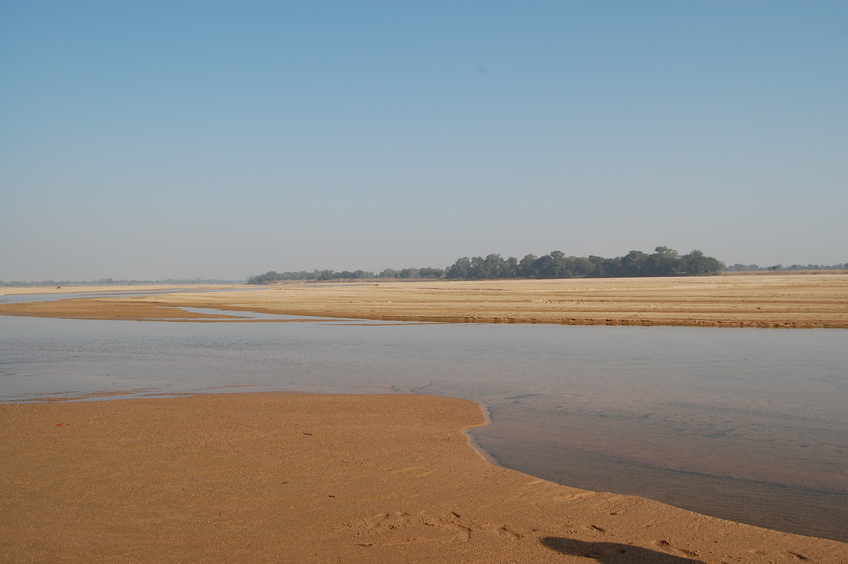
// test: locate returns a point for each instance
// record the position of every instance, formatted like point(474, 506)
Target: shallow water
point(746, 424)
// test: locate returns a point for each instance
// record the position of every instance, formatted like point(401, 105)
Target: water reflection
point(691, 416)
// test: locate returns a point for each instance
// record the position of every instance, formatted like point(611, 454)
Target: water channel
point(743, 424)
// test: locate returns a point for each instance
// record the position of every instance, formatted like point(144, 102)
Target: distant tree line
point(319, 275)
point(122, 282)
point(663, 262)
point(738, 267)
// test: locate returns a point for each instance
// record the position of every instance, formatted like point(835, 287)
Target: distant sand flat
point(278, 477)
point(743, 300)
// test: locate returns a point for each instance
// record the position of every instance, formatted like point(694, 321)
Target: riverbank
point(320, 478)
point(739, 300)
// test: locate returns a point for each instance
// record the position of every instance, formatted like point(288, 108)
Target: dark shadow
point(613, 553)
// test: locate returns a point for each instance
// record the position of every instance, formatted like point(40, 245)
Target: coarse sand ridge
point(743, 300)
point(276, 477)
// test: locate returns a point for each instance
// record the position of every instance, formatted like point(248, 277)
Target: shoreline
point(474, 444)
point(738, 300)
point(316, 478)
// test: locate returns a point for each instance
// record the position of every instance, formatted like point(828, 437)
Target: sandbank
point(277, 477)
point(738, 300)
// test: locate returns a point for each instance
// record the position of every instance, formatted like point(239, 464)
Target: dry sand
point(742, 300)
point(320, 478)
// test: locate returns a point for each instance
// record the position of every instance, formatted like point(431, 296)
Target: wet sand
point(320, 478)
point(735, 300)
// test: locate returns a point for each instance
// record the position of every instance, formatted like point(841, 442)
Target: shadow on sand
point(613, 553)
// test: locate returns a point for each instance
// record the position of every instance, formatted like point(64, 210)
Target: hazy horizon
point(376, 273)
point(155, 140)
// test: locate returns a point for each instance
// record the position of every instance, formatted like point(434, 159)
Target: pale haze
point(222, 139)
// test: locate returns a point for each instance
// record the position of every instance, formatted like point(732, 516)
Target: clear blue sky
point(222, 139)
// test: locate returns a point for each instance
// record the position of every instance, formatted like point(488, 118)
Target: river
point(743, 424)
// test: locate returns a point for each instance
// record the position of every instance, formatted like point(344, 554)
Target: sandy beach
point(734, 300)
point(320, 478)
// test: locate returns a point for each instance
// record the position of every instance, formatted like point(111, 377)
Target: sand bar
point(739, 300)
point(320, 478)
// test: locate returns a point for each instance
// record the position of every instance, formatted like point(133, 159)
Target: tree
point(581, 266)
point(428, 272)
point(696, 264)
point(543, 267)
point(493, 266)
point(525, 266)
point(460, 269)
point(664, 262)
point(477, 268)
point(511, 267)
point(634, 263)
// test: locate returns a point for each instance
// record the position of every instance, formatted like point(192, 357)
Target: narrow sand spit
point(743, 300)
point(320, 478)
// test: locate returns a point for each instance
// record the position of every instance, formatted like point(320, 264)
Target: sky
point(222, 139)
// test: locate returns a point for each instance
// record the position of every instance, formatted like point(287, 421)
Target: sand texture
point(320, 478)
point(740, 300)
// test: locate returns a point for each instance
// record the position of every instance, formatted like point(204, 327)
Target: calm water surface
point(744, 424)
